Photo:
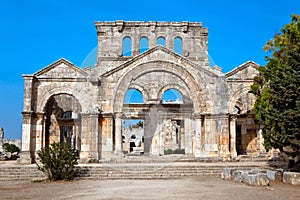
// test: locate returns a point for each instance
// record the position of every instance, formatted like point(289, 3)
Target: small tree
point(58, 161)
point(277, 88)
point(12, 148)
point(140, 124)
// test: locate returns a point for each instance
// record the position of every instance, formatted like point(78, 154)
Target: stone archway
point(158, 67)
point(62, 120)
point(244, 129)
point(160, 119)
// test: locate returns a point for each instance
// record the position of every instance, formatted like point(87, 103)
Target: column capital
point(233, 116)
point(118, 115)
point(107, 115)
point(28, 113)
point(197, 115)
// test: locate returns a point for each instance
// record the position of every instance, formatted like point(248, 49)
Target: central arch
point(158, 66)
point(166, 125)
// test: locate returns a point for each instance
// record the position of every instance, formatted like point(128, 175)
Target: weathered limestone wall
point(111, 35)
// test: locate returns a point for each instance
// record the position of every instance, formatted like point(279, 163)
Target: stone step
point(124, 171)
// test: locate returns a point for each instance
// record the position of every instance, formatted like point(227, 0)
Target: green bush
point(176, 151)
point(11, 148)
point(168, 151)
point(58, 161)
point(179, 151)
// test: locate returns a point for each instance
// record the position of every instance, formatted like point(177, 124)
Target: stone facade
point(85, 107)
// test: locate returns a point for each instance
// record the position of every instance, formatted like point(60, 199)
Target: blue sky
point(35, 33)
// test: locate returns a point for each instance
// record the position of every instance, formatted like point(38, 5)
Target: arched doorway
point(62, 124)
point(244, 129)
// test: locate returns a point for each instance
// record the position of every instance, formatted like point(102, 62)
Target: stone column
point(26, 138)
point(224, 137)
point(85, 138)
point(198, 130)
point(188, 134)
point(233, 152)
point(118, 133)
point(39, 131)
point(106, 135)
point(94, 139)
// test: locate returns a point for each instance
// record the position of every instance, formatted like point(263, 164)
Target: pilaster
point(118, 133)
point(198, 136)
point(233, 152)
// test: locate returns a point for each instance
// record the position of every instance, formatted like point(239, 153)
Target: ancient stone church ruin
point(87, 109)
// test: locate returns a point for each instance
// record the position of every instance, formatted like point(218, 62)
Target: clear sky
point(35, 33)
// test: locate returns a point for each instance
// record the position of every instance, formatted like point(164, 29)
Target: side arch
point(234, 101)
point(84, 99)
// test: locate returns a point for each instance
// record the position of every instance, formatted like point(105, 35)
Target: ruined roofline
point(241, 67)
point(145, 23)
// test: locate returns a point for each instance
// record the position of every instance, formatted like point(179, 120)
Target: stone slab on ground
point(291, 178)
point(275, 175)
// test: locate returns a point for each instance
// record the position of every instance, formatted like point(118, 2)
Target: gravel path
point(185, 188)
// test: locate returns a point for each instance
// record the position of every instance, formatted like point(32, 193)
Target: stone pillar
point(85, 138)
point(188, 131)
point(135, 48)
point(94, 139)
point(106, 135)
point(198, 130)
point(28, 81)
point(39, 132)
point(233, 152)
point(118, 133)
point(224, 138)
point(26, 138)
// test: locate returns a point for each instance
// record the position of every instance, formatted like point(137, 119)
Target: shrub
point(58, 161)
point(12, 148)
point(176, 151)
point(168, 151)
point(179, 151)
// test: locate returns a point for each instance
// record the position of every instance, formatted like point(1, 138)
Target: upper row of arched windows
point(144, 45)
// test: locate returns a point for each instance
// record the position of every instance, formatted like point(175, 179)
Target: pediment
point(246, 71)
point(160, 53)
point(61, 69)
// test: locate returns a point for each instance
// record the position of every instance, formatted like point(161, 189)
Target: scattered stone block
point(274, 175)
point(237, 176)
point(255, 179)
point(291, 178)
point(227, 173)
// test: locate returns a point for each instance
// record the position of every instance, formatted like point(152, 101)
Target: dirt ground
point(185, 188)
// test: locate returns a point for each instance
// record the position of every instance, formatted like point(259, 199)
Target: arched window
point(133, 96)
point(172, 96)
point(236, 110)
point(178, 45)
point(143, 44)
point(161, 41)
point(127, 46)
